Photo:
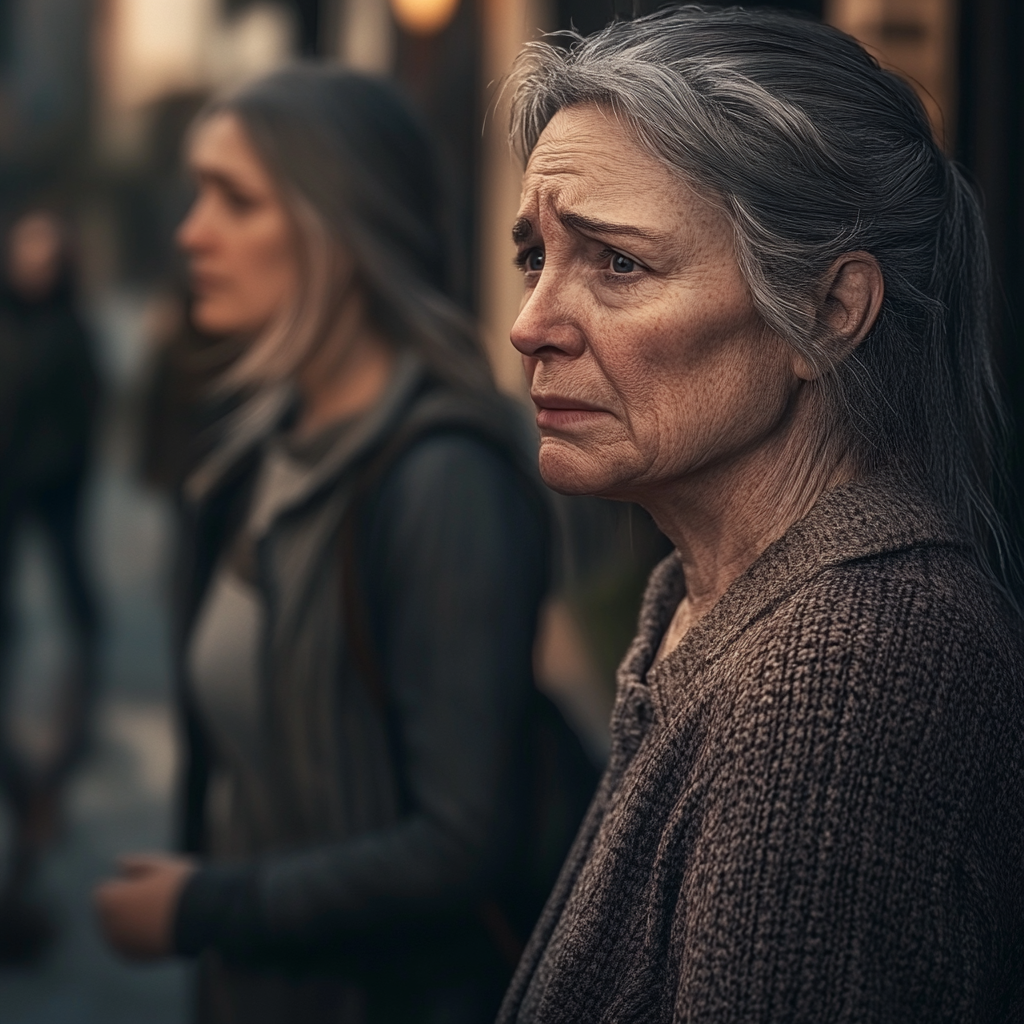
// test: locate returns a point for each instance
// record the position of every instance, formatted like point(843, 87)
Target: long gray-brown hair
point(813, 151)
point(356, 173)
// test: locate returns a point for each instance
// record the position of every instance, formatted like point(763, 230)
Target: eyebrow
point(204, 175)
point(588, 225)
point(222, 179)
point(521, 230)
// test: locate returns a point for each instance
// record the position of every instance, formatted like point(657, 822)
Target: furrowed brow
point(589, 226)
point(521, 230)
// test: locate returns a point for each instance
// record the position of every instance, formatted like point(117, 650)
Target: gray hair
point(812, 151)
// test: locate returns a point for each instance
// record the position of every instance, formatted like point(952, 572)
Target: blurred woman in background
point(368, 557)
point(48, 402)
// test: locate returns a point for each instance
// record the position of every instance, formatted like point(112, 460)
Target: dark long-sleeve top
point(814, 809)
point(366, 820)
point(49, 389)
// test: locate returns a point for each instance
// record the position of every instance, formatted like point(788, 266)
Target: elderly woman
point(755, 304)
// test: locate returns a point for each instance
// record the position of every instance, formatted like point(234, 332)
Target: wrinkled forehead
point(588, 146)
point(589, 161)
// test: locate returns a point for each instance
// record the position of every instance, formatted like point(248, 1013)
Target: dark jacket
point(814, 809)
point(374, 837)
point(49, 391)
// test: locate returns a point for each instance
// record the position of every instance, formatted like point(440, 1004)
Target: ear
point(854, 289)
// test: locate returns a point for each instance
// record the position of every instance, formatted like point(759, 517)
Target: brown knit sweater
point(814, 809)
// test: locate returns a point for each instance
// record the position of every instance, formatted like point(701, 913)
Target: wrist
point(217, 907)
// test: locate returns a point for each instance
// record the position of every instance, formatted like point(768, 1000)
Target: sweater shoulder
point(918, 635)
point(930, 599)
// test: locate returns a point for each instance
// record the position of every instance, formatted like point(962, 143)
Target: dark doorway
point(990, 141)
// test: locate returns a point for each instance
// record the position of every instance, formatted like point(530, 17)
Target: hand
point(136, 910)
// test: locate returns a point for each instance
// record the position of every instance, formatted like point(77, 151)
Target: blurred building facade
point(46, 96)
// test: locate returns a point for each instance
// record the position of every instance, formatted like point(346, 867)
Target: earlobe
point(803, 369)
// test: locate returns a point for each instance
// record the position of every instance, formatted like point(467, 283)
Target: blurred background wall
point(95, 97)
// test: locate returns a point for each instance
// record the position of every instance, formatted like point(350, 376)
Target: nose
point(191, 235)
point(547, 326)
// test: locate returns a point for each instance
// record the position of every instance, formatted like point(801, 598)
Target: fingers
point(136, 909)
point(121, 919)
point(111, 900)
point(108, 900)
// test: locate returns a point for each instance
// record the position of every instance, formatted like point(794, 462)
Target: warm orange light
point(423, 17)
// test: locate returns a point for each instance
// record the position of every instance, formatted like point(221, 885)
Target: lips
point(558, 412)
point(203, 283)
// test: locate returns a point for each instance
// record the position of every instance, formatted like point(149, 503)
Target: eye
point(238, 201)
point(622, 264)
point(235, 199)
point(531, 260)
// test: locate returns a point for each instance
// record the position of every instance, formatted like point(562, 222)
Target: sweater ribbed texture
point(814, 808)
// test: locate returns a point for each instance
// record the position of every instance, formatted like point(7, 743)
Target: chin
point(204, 318)
point(569, 470)
point(209, 319)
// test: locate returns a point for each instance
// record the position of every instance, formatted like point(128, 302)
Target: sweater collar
point(854, 521)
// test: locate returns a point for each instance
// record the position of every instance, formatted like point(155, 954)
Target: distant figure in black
point(48, 403)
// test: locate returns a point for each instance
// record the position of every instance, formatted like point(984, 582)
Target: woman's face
point(240, 242)
point(645, 357)
point(34, 249)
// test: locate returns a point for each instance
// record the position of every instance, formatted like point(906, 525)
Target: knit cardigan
point(814, 807)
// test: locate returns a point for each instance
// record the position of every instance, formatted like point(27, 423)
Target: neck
point(347, 374)
point(722, 518)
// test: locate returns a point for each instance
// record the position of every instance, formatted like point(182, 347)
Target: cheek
point(268, 261)
point(723, 404)
point(262, 280)
point(697, 386)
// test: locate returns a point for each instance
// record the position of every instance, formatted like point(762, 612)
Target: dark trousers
point(56, 508)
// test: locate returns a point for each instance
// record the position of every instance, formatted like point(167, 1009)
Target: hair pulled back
point(813, 151)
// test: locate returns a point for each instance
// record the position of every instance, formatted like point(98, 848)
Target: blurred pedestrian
point(369, 552)
point(48, 403)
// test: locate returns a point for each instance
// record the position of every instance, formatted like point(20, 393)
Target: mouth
point(555, 412)
point(203, 283)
